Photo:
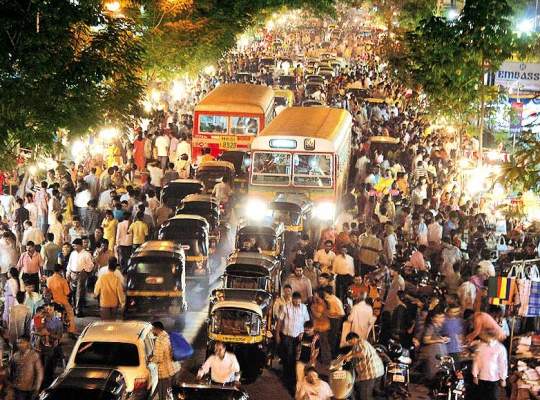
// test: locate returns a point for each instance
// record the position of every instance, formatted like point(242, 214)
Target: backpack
point(181, 349)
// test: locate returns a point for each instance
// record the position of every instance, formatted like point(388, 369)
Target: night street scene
point(269, 199)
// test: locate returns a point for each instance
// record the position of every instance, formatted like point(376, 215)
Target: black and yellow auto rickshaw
point(242, 319)
point(269, 239)
point(293, 210)
point(204, 205)
point(173, 193)
point(211, 172)
point(246, 270)
point(155, 279)
point(192, 233)
point(240, 160)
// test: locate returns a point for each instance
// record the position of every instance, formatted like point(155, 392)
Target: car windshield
point(244, 126)
point(235, 322)
point(271, 168)
point(213, 124)
point(313, 170)
point(107, 354)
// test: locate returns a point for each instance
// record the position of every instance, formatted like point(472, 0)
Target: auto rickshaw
point(242, 319)
point(240, 160)
point(292, 210)
point(252, 271)
point(210, 172)
point(383, 144)
point(191, 232)
point(283, 98)
point(155, 279)
point(173, 193)
point(204, 205)
point(287, 82)
point(270, 239)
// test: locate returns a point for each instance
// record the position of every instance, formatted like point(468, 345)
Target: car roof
point(115, 331)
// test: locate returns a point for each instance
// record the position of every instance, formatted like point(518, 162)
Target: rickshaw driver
point(223, 367)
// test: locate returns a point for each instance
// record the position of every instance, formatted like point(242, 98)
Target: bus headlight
point(256, 209)
point(325, 211)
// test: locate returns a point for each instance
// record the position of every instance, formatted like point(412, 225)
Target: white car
point(123, 345)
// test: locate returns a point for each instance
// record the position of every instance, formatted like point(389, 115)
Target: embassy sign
point(519, 76)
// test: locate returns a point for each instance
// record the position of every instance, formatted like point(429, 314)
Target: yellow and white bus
point(304, 150)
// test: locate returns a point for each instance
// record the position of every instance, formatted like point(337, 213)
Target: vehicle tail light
point(140, 384)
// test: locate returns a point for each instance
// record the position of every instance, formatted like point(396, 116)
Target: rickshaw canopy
point(176, 190)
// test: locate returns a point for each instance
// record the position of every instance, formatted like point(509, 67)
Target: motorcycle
point(449, 383)
point(397, 363)
point(342, 376)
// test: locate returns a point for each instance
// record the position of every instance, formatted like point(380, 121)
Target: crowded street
point(293, 221)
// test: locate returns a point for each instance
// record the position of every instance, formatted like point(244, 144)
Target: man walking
point(162, 357)
point(30, 264)
point(26, 371)
point(59, 288)
point(80, 266)
point(110, 292)
point(50, 252)
point(288, 329)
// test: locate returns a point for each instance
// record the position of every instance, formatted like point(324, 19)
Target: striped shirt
point(368, 363)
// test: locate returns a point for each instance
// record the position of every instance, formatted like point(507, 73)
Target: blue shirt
point(453, 328)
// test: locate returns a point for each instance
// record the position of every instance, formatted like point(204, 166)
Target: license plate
point(339, 375)
point(398, 378)
point(154, 280)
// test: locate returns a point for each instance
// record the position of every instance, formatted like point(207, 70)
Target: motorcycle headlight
point(325, 211)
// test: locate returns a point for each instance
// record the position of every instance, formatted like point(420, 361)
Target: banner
point(518, 76)
point(516, 118)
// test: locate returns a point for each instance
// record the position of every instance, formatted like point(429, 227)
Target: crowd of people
point(73, 230)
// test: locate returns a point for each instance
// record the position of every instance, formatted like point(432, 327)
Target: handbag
point(181, 349)
point(533, 309)
point(502, 289)
point(524, 289)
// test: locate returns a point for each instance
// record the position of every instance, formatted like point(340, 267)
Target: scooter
point(342, 376)
point(397, 363)
point(449, 383)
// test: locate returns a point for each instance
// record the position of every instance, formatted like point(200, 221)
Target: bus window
point(212, 124)
point(313, 170)
point(271, 168)
point(244, 125)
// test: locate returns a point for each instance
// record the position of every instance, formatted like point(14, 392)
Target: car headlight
point(256, 209)
point(325, 211)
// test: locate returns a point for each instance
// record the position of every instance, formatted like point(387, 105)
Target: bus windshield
point(244, 126)
point(213, 124)
point(271, 168)
point(312, 170)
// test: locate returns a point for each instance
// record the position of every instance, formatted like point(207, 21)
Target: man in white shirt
point(183, 147)
point(156, 175)
point(222, 365)
point(312, 387)
point(93, 182)
point(434, 235)
point(32, 209)
point(325, 257)
point(362, 319)
point(54, 207)
point(105, 199)
point(162, 144)
point(32, 234)
point(343, 267)
point(80, 266)
point(490, 367)
point(289, 326)
point(222, 191)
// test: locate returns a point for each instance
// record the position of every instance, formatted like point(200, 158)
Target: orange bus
point(230, 116)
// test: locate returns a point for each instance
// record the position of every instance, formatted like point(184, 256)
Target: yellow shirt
point(59, 288)
point(109, 231)
point(139, 230)
point(110, 291)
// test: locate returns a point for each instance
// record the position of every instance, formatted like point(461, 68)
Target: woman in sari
point(138, 152)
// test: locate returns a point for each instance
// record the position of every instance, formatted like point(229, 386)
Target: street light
point(452, 14)
point(113, 6)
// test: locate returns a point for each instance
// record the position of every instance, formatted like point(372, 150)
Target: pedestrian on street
point(30, 265)
point(307, 350)
point(79, 267)
point(369, 366)
point(288, 329)
point(110, 292)
point(26, 371)
point(300, 283)
point(50, 252)
point(19, 319)
point(490, 367)
point(312, 387)
point(59, 288)
point(162, 357)
point(222, 365)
